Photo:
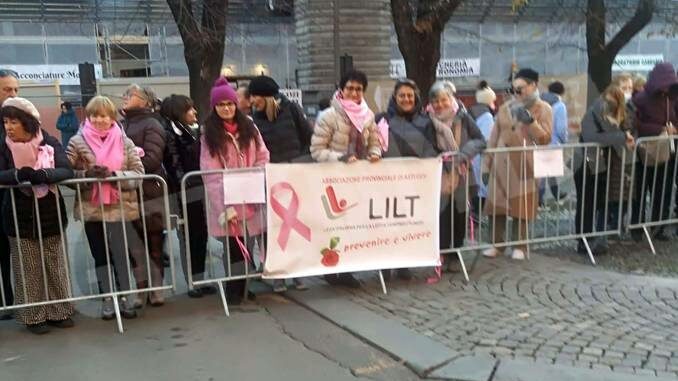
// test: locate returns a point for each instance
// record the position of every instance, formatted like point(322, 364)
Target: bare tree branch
point(639, 20)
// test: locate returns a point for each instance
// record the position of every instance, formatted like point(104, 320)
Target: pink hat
point(222, 91)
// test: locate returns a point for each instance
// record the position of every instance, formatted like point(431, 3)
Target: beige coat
point(82, 158)
point(331, 135)
point(512, 189)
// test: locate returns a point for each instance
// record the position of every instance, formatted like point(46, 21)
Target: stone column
point(359, 28)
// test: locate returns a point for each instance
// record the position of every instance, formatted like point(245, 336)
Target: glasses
point(225, 105)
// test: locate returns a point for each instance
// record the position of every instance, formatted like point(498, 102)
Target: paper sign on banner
point(244, 188)
point(330, 218)
point(549, 163)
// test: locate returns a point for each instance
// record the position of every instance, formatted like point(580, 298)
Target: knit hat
point(222, 91)
point(485, 94)
point(263, 86)
point(528, 74)
point(24, 105)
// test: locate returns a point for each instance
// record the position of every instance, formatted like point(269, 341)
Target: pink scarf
point(358, 114)
point(32, 154)
point(109, 150)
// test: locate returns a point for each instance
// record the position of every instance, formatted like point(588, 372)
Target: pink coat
point(252, 156)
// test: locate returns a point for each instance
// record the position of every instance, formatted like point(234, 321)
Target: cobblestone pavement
point(546, 310)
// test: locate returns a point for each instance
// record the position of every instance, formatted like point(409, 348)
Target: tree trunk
point(419, 34)
point(601, 54)
point(421, 52)
point(204, 41)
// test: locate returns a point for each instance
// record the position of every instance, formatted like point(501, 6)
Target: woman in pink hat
point(230, 140)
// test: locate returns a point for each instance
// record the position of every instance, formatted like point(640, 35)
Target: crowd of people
point(124, 220)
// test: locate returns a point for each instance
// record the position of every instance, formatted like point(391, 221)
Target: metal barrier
point(53, 255)
point(653, 195)
point(206, 188)
point(509, 171)
point(513, 192)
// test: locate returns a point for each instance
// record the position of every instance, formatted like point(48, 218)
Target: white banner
point(636, 62)
point(334, 217)
point(293, 94)
point(447, 68)
point(65, 74)
point(549, 163)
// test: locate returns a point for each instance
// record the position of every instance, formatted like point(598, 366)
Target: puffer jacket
point(332, 135)
point(145, 130)
point(82, 158)
point(409, 135)
point(289, 135)
point(27, 216)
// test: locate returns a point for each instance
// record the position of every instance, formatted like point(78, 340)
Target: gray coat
point(595, 128)
point(471, 143)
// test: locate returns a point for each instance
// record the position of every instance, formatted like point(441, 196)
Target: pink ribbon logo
point(288, 215)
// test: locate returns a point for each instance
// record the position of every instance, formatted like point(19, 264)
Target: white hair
point(442, 86)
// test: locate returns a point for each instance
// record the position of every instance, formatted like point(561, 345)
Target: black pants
point(5, 267)
point(452, 233)
point(646, 178)
point(155, 239)
point(197, 229)
point(590, 201)
point(234, 289)
point(119, 272)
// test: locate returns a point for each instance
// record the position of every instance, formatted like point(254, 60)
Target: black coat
point(146, 131)
point(181, 155)
point(289, 136)
point(410, 135)
point(27, 216)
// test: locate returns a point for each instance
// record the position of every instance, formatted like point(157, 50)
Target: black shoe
point(347, 280)
point(6, 316)
point(660, 235)
point(208, 290)
point(195, 293)
point(38, 329)
point(234, 300)
point(404, 274)
point(332, 279)
point(66, 323)
point(637, 235)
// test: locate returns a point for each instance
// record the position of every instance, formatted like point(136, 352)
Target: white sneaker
point(518, 255)
point(491, 252)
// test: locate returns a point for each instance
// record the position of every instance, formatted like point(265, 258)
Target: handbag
point(450, 177)
point(658, 152)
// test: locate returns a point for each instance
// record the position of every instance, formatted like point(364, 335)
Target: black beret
point(263, 86)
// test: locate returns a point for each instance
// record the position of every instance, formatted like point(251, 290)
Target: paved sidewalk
point(546, 311)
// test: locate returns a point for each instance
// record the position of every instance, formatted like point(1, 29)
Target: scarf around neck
point(443, 124)
point(358, 114)
point(34, 155)
point(109, 151)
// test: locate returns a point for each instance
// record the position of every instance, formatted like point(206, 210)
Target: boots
point(156, 298)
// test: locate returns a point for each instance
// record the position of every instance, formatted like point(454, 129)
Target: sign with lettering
point(335, 217)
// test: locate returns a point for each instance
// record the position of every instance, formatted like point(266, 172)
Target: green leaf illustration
point(334, 242)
